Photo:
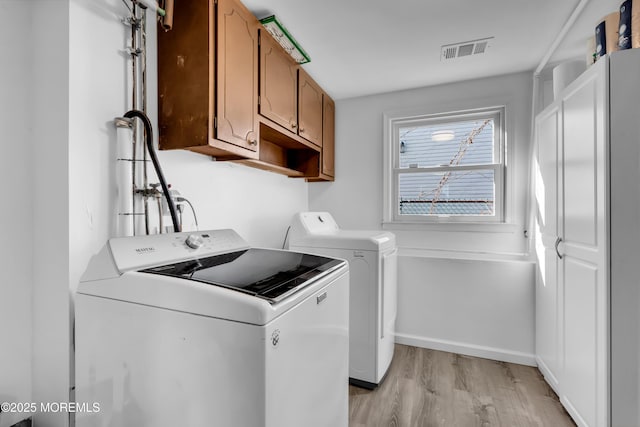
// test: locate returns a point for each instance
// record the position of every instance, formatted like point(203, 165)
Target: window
point(446, 167)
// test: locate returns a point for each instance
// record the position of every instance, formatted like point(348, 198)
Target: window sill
point(453, 227)
point(465, 255)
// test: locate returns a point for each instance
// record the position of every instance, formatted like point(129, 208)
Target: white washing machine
point(201, 330)
point(373, 269)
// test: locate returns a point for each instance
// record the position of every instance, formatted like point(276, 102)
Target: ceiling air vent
point(449, 52)
point(457, 50)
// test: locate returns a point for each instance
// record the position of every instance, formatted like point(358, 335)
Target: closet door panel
point(548, 318)
point(548, 287)
point(580, 202)
point(548, 132)
point(584, 248)
point(581, 343)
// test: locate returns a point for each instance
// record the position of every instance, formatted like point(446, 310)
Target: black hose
point(156, 165)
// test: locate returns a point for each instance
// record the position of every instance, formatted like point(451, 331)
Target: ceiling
point(363, 47)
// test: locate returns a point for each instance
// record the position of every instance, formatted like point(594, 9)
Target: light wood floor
point(433, 388)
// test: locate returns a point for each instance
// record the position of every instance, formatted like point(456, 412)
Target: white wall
point(466, 306)
point(16, 244)
point(356, 201)
point(257, 204)
point(50, 124)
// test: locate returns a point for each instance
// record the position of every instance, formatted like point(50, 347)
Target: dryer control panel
point(316, 222)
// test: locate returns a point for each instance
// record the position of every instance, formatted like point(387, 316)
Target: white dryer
point(201, 330)
point(372, 257)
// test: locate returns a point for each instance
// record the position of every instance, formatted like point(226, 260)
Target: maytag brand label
point(145, 250)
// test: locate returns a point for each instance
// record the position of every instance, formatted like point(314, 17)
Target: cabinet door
point(328, 136)
point(237, 79)
point(278, 84)
point(585, 249)
point(309, 108)
point(184, 89)
point(548, 287)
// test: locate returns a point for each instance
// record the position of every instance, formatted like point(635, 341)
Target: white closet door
point(584, 249)
point(548, 293)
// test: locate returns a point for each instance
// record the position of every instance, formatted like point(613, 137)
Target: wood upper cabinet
point(309, 108)
point(227, 89)
point(208, 80)
point(328, 136)
point(326, 170)
point(288, 95)
point(278, 84)
point(294, 104)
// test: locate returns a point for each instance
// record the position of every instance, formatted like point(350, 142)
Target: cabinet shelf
point(270, 132)
point(282, 154)
point(259, 164)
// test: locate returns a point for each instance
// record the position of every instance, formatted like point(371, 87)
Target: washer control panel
point(138, 252)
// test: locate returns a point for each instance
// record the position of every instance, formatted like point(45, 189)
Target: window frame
point(393, 123)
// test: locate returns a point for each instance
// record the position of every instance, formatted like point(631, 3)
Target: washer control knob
point(194, 241)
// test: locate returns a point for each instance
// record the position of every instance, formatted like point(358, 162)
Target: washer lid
point(264, 273)
point(371, 240)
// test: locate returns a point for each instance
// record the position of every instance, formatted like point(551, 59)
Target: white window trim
point(392, 220)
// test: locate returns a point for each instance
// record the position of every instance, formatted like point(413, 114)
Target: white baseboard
point(468, 349)
point(548, 376)
point(573, 413)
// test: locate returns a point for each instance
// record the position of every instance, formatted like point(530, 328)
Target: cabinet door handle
point(294, 125)
point(558, 240)
point(253, 142)
point(301, 129)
